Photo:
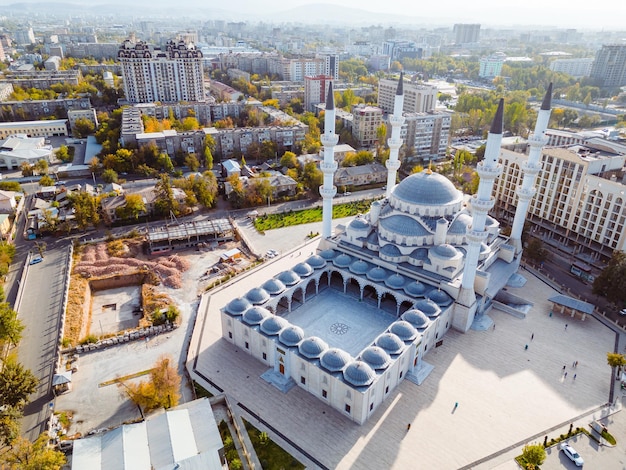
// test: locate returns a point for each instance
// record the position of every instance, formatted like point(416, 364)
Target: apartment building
point(41, 79)
point(491, 67)
point(580, 206)
point(169, 74)
point(365, 122)
point(426, 134)
point(466, 33)
point(609, 66)
point(577, 68)
point(315, 89)
point(37, 109)
point(418, 97)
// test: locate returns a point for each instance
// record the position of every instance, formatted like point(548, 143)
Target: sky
point(580, 14)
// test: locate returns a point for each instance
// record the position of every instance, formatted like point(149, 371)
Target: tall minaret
point(395, 142)
point(488, 170)
point(531, 168)
point(329, 165)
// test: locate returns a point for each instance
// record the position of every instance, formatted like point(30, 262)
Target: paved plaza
point(506, 393)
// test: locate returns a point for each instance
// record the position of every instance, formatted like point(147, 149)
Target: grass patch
point(609, 437)
point(232, 456)
point(270, 454)
point(201, 392)
point(307, 216)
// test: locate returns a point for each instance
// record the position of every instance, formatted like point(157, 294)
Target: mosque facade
point(389, 285)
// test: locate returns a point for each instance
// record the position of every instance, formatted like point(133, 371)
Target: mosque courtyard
point(505, 393)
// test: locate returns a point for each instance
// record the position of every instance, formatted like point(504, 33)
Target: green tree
point(533, 455)
point(26, 455)
point(27, 169)
point(63, 154)
point(133, 207)
point(11, 327)
point(208, 157)
point(46, 180)
point(42, 167)
point(289, 160)
point(312, 177)
point(160, 391)
point(192, 162)
point(83, 127)
point(616, 360)
point(164, 163)
point(611, 283)
point(85, 209)
point(205, 188)
point(237, 194)
point(165, 201)
point(110, 176)
point(535, 250)
point(16, 384)
point(9, 425)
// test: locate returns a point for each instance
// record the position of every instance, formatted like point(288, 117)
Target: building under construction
point(189, 234)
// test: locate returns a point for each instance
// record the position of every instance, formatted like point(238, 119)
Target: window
point(347, 408)
point(247, 345)
point(371, 406)
point(324, 394)
point(387, 389)
point(400, 374)
point(264, 356)
point(230, 335)
point(302, 380)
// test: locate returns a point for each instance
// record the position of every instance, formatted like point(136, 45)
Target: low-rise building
point(19, 149)
point(57, 127)
point(360, 175)
point(42, 79)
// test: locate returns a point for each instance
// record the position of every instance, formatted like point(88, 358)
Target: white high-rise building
point(575, 67)
point(173, 73)
point(418, 97)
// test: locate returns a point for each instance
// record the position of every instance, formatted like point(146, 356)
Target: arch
point(337, 281)
point(311, 288)
point(353, 288)
point(404, 306)
point(324, 281)
point(370, 295)
point(283, 305)
point(388, 303)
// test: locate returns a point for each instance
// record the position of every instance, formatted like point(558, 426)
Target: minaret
point(531, 168)
point(488, 170)
point(395, 142)
point(329, 165)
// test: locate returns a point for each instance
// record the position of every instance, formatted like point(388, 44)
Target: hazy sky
point(581, 14)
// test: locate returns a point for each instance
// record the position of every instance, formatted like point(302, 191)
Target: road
point(40, 307)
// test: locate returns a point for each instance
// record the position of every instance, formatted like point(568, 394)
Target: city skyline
point(532, 13)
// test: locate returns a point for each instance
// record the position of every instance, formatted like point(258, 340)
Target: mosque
point(359, 316)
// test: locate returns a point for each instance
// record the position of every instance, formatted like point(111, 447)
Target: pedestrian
point(532, 336)
point(526, 347)
point(574, 376)
point(563, 368)
point(576, 364)
point(456, 405)
point(494, 326)
point(408, 426)
point(565, 375)
point(566, 327)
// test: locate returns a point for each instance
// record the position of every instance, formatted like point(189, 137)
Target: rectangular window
point(230, 335)
point(324, 394)
point(247, 345)
point(264, 356)
point(371, 406)
point(347, 408)
point(302, 380)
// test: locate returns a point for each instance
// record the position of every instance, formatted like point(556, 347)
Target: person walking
point(574, 378)
point(565, 375)
point(408, 426)
point(532, 336)
point(563, 368)
point(566, 327)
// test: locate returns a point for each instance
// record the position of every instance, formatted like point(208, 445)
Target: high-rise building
point(25, 36)
point(427, 134)
point(169, 74)
point(609, 67)
point(491, 67)
point(418, 97)
point(575, 67)
point(331, 64)
point(315, 89)
point(365, 122)
point(466, 33)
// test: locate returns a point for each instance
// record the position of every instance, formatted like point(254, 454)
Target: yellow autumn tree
point(160, 391)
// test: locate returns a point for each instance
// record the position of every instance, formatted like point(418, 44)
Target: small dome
point(312, 347)
point(403, 330)
point(302, 269)
point(439, 297)
point(316, 262)
point(273, 324)
point(291, 335)
point(390, 250)
point(377, 274)
point(430, 308)
point(417, 318)
point(274, 286)
point(334, 359)
point(376, 357)
point(359, 374)
point(359, 223)
point(289, 278)
point(255, 315)
point(257, 296)
point(237, 306)
point(395, 281)
point(390, 343)
point(359, 267)
point(328, 254)
point(342, 261)
point(415, 289)
point(446, 251)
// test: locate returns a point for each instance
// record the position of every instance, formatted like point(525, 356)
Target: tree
point(312, 177)
point(46, 180)
point(85, 209)
point(16, 384)
point(533, 455)
point(535, 250)
point(160, 391)
point(190, 124)
point(42, 167)
point(165, 201)
point(289, 160)
point(616, 360)
point(11, 327)
point(611, 283)
point(133, 207)
point(27, 169)
point(205, 188)
point(94, 165)
point(26, 455)
point(83, 127)
point(164, 163)
point(109, 176)
point(208, 157)
point(192, 162)
point(63, 153)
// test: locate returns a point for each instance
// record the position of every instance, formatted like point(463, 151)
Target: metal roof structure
point(574, 304)
point(189, 230)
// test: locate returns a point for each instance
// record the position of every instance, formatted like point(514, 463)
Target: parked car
point(571, 454)
point(36, 259)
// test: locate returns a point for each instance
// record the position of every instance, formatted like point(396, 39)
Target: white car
point(271, 253)
point(571, 454)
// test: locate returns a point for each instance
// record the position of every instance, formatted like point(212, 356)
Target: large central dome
point(427, 188)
